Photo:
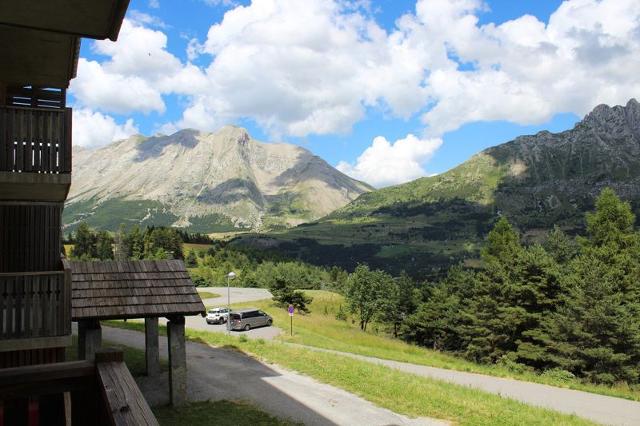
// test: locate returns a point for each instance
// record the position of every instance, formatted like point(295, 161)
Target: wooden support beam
point(152, 349)
point(89, 339)
point(177, 361)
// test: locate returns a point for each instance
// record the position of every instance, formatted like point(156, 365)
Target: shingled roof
point(132, 289)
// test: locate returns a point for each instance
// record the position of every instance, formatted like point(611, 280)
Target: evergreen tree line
point(254, 268)
point(566, 306)
point(150, 243)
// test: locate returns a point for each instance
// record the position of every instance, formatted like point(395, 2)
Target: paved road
point(238, 295)
point(216, 373)
point(598, 408)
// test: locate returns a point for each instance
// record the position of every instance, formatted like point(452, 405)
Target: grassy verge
point(208, 295)
point(321, 329)
point(220, 413)
point(400, 392)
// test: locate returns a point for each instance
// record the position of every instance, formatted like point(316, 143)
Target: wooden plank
point(126, 403)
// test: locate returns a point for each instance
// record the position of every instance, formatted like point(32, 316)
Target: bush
point(559, 374)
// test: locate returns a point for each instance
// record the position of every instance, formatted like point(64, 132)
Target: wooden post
point(89, 339)
point(177, 361)
point(152, 351)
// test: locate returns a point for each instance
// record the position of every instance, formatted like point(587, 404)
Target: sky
point(387, 91)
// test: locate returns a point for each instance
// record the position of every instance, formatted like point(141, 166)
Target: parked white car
point(217, 316)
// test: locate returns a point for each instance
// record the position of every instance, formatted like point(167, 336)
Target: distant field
point(321, 329)
point(187, 247)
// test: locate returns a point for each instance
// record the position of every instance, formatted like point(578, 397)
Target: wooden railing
point(35, 140)
point(35, 304)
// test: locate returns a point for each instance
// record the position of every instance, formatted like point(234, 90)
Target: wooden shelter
point(39, 47)
point(146, 289)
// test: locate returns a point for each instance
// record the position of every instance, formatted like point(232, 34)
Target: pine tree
point(85, 243)
point(191, 260)
point(104, 245)
point(596, 334)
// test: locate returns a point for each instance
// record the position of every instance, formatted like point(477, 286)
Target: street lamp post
point(230, 276)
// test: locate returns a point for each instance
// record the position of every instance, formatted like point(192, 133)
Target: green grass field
point(321, 329)
point(400, 392)
point(208, 295)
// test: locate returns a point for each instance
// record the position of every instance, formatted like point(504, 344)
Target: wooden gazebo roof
point(132, 289)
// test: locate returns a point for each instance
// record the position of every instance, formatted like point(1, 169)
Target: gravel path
point(216, 373)
point(598, 408)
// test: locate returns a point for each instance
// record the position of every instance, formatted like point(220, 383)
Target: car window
point(262, 313)
point(235, 316)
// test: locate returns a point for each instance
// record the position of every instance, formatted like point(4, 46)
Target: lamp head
point(231, 275)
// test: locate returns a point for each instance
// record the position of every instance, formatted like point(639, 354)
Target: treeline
point(150, 243)
point(258, 269)
point(570, 307)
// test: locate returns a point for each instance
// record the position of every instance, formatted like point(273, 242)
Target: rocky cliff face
point(204, 182)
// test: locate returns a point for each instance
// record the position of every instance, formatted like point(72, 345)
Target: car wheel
point(269, 323)
point(247, 327)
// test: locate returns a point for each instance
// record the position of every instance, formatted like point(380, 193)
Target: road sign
point(290, 309)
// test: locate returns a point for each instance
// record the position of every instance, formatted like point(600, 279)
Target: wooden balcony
point(35, 153)
point(35, 310)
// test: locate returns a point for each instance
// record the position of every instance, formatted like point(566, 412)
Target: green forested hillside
point(537, 182)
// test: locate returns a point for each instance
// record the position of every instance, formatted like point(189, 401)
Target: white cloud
point(93, 129)
point(314, 67)
point(385, 163)
point(526, 71)
point(154, 4)
point(137, 74)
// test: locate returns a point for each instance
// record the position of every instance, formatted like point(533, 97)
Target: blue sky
point(388, 90)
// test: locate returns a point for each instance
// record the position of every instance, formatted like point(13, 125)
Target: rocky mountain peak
point(616, 119)
point(205, 181)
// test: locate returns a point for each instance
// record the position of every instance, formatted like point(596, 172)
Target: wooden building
point(39, 47)
point(146, 289)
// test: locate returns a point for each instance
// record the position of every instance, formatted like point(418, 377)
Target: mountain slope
point(204, 182)
point(536, 181)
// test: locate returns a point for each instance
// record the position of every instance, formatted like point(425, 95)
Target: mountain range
point(204, 182)
point(537, 182)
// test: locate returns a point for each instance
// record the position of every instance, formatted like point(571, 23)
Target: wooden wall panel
point(30, 237)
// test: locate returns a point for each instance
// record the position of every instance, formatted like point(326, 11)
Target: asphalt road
point(598, 408)
point(216, 374)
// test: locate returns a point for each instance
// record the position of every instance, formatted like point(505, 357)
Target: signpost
point(290, 309)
